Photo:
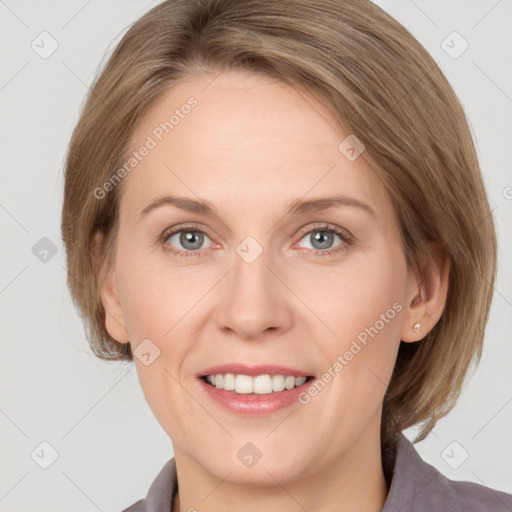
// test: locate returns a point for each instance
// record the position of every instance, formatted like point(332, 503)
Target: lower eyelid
point(337, 249)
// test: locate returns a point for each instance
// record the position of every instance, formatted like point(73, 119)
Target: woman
point(276, 211)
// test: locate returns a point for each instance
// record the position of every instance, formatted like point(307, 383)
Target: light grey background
point(52, 389)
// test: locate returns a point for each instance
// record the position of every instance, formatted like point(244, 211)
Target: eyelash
point(346, 238)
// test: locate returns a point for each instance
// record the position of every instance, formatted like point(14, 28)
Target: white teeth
point(244, 384)
point(289, 382)
point(261, 384)
point(229, 382)
point(277, 383)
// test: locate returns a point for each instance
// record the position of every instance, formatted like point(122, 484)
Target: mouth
point(264, 384)
point(254, 390)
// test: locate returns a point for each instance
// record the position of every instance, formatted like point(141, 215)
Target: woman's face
point(316, 290)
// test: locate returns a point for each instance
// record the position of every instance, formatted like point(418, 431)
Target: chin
point(249, 465)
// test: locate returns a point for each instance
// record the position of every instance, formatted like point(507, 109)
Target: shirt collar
point(408, 474)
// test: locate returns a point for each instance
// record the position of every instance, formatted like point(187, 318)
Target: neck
point(354, 482)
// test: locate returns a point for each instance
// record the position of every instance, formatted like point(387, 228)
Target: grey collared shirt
point(416, 486)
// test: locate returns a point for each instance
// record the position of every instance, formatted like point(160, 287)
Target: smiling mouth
point(260, 384)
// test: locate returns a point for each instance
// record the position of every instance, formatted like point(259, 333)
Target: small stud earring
point(417, 327)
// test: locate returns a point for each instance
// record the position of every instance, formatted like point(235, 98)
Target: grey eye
point(188, 239)
point(321, 238)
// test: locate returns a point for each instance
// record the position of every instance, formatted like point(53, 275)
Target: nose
point(255, 300)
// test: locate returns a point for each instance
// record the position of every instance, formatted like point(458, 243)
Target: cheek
point(352, 298)
point(362, 307)
point(160, 304)
point(153, 297)
point(148, 310)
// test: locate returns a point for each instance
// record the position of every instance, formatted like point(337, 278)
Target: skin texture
point(250, 147)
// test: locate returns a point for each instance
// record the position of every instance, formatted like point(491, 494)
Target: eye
point(185, 241)
point(189, 240)
point(322, 238)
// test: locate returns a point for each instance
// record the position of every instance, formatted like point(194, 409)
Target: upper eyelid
point(172, 231)
point(324, 226)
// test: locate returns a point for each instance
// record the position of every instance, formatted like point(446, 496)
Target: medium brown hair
point(380, 84)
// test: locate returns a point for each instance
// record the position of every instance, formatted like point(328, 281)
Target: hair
point(381, 85)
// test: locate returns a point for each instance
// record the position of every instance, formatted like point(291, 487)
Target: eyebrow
point(298, 206)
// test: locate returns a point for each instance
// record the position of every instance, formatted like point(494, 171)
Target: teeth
point(229, 381)
point(243, 384)
point(289, 382)
point(299, 381)
point(277, 383)
point(261, 384)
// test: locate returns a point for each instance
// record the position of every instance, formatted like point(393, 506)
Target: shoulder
point(418, 486)
point(161, 491)
point(467, 496)
point(477, 497)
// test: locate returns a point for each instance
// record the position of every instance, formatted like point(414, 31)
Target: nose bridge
point(252, 300)
point(251, 273)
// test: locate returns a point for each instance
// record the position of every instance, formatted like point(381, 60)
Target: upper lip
point(261, 369)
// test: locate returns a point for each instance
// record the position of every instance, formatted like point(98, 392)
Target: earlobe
point(114, 317)
point(427, 300)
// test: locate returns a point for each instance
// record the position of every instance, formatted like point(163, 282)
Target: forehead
point(243, 139)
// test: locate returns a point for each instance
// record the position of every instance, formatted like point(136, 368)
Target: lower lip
point(254, 404)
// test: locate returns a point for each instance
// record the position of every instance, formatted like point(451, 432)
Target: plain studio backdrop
point(75, 432)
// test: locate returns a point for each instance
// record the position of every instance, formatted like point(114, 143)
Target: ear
point(426, 297)
point(114, 317)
